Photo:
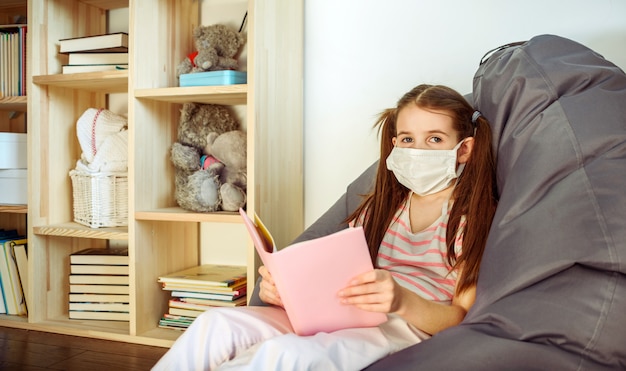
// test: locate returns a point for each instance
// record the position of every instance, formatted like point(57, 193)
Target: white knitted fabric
point(112, 156)
point(93, 127)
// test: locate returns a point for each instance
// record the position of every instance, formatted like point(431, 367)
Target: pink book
point(309, 274)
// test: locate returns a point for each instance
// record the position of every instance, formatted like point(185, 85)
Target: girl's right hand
point(267, 289)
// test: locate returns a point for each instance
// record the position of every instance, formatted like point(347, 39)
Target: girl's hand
point(267, 289)
point(374, 291)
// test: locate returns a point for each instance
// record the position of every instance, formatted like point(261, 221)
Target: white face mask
point(424, 171)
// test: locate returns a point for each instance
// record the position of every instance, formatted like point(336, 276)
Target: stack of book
point(13, 273)
point(99, 284)
point(107, 52)
point(13, 60)
point(199, 289)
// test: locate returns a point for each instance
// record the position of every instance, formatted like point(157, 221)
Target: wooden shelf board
point(162, 336)
point(77, 230)
point(8, 4)
point(13, 103)
point(15, 209)
point(224, 94)
point(104, 81)
point(107, 4)
point(177, 214)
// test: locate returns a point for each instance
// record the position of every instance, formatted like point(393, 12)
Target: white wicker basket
point(100, 199)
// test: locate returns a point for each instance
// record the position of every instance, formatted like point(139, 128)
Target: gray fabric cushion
point(552, 289)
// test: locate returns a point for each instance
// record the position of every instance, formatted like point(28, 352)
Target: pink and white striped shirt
point(418, 261)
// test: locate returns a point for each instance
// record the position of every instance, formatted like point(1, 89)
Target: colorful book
point(21, 258)
point(13, 296)
point(230, 290)
point(207, 295)
point(175, 322)
point(14, 276)
point(208, 275)
point(82, 68)
point(312, 305)
point(186, 312)
point(108, 256)
point(97, 279)
point(97, 58)
point(113, 42)
point(214, 303)
point(203, 306)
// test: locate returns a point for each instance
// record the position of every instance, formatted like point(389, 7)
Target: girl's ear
point(464, 152)
point(393, 141)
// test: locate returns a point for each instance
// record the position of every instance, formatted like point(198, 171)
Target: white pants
point(261, 338)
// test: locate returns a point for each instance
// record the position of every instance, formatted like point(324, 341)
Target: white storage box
point(12, 151)
point(13, 187)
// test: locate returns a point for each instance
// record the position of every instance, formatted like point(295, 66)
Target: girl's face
point(422, 129)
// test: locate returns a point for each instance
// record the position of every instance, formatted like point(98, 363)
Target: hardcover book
point(99, 289)
point(14, 299)
point(99, 269)
point(186, 312)
point(309, 274)
point(103, 316)
point(230, 290)
point(207, 295)
point(97, 58)
point(108, 256)
point(100, 307)
point(208, 275)
point(82, 68)
point(212, 303)
point(113, 42)
point(97, 279)
point(99, 298)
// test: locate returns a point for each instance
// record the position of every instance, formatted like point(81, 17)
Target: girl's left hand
point(374, 291)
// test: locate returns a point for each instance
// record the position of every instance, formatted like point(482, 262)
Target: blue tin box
point(226, 77)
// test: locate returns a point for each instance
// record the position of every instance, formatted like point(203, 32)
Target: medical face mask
point(424, 171)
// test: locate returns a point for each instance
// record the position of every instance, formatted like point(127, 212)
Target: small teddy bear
point(216, 49)
point(210, 159)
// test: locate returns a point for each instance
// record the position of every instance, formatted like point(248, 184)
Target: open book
point(309, 274)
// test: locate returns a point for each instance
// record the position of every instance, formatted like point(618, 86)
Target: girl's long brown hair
point(474, 195)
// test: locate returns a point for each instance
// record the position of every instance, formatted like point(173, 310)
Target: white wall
point(362, 55)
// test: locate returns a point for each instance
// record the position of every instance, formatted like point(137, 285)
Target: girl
point(426, 223)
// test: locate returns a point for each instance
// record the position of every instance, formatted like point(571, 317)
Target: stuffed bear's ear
point(210, 139)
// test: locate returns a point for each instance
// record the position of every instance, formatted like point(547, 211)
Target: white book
point(97, 58)
point(82, 68)
point(99, 298)
point(99, 269)
point(101, 307)
point(99, 256)
point(97, 279)
point(114, 42)
point(99, 289)
point(109, 316)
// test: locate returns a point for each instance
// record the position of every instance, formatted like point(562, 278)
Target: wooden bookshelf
point(161, 237)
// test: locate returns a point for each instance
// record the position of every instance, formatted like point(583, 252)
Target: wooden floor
point(34, 350)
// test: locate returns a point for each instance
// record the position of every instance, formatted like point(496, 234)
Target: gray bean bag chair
point(552, 288)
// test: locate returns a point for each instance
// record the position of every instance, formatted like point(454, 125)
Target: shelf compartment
point(77, 230)
point(101, 82)
point(177, 214)
point(224, 94)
